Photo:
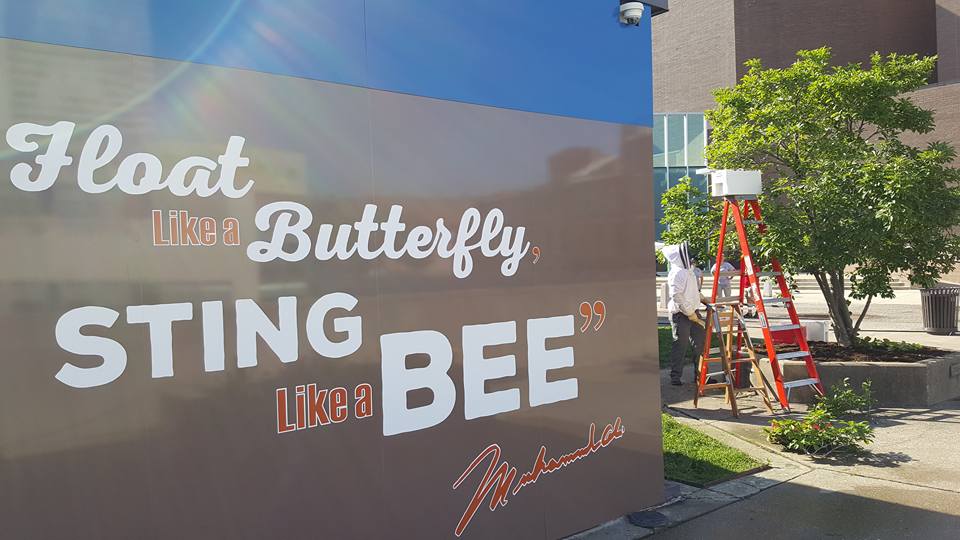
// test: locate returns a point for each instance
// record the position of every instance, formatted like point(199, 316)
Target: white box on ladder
point(731, 182)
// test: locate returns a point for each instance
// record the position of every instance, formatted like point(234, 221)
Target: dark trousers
point(685, 331)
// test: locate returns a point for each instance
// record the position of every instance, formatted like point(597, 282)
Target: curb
point(690, 502)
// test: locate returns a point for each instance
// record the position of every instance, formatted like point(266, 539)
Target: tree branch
point(856, 327)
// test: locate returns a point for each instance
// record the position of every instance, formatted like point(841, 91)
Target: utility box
point(816, 330)
point(730, 182)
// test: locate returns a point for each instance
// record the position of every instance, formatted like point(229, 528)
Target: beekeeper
point(685, 322)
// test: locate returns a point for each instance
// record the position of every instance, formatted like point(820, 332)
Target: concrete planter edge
point(895, 384)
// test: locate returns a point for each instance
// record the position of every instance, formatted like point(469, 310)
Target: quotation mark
point(536, 254)
point(588, 310)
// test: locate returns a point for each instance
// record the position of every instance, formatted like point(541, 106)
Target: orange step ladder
point(750, 275)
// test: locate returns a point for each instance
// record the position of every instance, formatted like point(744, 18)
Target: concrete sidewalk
point(907, 487)
point(828, 504)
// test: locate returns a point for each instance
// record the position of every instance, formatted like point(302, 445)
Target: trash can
point(939, 310)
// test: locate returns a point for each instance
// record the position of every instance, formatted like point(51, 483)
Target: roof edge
point(657, 6)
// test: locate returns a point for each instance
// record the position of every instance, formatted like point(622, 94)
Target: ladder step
point(795, 354)
point(727, 300)
point(783, 327)
point(717, 374)
point(779, 300)
point(730, 273)
point(801, 382)
point(715, 385)
point(733, 361)
point(769, 274)
point(752, 222)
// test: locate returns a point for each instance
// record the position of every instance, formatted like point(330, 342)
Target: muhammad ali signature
point(500, 476)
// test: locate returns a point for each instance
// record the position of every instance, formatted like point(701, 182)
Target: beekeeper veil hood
point(677, 255)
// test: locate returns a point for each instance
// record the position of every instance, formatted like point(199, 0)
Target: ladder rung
point(801, 382)
point(727, 300)
point(714, 350)
point(714, 385)
point(779, 300)
point(752, 222)
point(769, 274)
point(783, 327)
point(795, 354)
point(717, 374)
point(730, 273)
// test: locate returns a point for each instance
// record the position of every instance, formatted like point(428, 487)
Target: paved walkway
point(897, 319)
point(908, 487)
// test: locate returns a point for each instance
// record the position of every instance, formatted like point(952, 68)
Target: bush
point(826, 428)
point(842, 400)
point(819, 434)
point(884, 344)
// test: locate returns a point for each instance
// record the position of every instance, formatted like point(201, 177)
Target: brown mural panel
point(460, 341)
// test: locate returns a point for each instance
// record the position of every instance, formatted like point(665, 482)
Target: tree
point(691, 216)
point(844, 198)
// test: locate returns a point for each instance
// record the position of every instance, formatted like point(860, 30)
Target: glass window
point(659, 186)
point(695, 140)
point(658, 125)
point(675, 141)
point(698, 180)
point(676, 174)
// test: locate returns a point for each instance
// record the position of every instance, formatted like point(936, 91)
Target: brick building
point(700, 45)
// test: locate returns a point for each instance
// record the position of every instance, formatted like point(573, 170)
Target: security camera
point(631, 12)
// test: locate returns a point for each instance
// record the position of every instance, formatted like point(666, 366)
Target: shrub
point(842, 400)
point(826, 428)
point(884, 344)
point(819, 434)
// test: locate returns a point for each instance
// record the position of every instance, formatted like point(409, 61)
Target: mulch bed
point(833, 352)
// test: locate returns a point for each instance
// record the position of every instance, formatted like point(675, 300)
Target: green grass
point(698, 460)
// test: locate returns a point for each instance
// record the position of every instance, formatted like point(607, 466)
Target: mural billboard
point(324, 269)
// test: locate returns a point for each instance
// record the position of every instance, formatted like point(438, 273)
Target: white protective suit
point(684, 292)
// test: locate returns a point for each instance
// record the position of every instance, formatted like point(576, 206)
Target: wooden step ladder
point(750, 276)
point(735, 349)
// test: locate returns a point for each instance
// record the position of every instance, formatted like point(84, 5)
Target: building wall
point(694, 51)
point(700, 45)
point(774, 30)
point(944, 100)
point(948, 40)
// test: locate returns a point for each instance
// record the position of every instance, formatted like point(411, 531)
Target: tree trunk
point(831, 285)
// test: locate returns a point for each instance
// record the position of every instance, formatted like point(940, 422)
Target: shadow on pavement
point(823, 504)
point(869, 459)
point(947, 412)
point(713, 405)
